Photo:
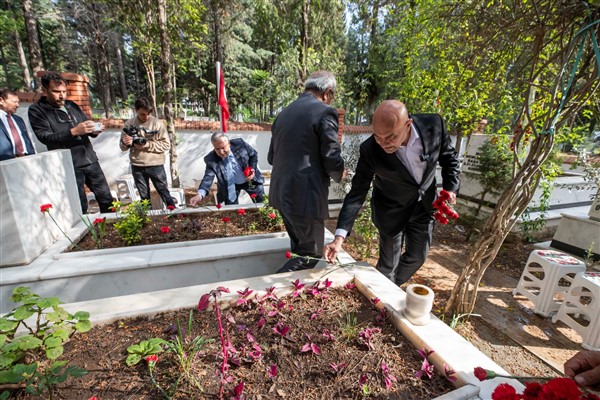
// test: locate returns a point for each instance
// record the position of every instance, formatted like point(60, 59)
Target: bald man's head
point(391, 125)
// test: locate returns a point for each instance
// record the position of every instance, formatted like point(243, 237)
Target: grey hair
point(320, 81)
point(218, 136)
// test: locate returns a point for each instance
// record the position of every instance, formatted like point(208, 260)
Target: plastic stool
point(126, 188)
point(179, 195)
point(583, 318)
point(540, 279)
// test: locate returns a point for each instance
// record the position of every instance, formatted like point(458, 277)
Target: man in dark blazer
point(305, 154)
point(400, 159)
point(14, 139)
point(227, 162)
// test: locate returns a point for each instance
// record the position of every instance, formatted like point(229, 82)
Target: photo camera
point(134, 132)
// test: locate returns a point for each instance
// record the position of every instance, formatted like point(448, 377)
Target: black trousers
point(257, 189)
point(158, 176)
point(307, 237)
point(93, 177)
point(399, 266)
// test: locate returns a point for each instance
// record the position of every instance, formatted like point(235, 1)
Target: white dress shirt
point(410, 156)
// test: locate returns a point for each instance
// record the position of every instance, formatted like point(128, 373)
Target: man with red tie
point(14, 139)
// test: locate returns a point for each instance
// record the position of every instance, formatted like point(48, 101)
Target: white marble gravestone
point(25, 184)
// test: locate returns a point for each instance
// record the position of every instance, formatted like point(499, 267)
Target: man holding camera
point(60, 124)
point(147, 140)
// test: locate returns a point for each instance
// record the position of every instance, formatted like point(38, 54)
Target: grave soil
point(340, 365)
point(502, 326)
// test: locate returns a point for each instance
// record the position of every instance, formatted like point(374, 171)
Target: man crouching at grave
point(147, 140)
point(235, 165)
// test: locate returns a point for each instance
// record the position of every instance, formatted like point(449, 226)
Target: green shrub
point(132, 220)
point(46, 326)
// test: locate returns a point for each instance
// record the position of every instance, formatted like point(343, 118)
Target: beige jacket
point(154, 152)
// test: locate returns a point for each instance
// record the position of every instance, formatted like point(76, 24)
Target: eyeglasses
point(65, 117)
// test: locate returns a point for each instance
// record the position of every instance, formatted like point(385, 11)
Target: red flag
point(223, 102)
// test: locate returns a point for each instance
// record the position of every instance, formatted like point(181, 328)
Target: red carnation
point(561, 388)
point(218, 206)
point(532, 391)
point(225, 219)
point(480, 373)
point(45, 207)
point(288, 254)
point(248, 171)
point(253, 196)
point(272, 215)
point(504, 391)
point(98, 221)
point(241, 211)
point(165, 229)
point(171, 207)
point(151, 360)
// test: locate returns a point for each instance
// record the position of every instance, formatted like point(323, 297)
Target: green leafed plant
point(132, 220)
point(43, 328)
point(145, 348)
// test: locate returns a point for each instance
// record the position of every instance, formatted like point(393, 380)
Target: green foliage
point(266, 213)
point(96, 229)
point(145, 348)
point(494, 170)
point(46, 326)
point(367, 232)
point(349, 327)
point(132, 220)
point(185, 346)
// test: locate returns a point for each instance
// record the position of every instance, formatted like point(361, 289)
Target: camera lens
point(141, 141)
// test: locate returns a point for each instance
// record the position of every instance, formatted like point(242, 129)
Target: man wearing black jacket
point(305, 156)
point(400, 160)
point(60, 124)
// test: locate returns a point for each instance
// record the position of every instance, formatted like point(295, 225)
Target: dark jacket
point(305, 154)
point(395, 190)
point(6, 148)
point(245, 155)
point(52, 127)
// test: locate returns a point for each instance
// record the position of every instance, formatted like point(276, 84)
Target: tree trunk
point(303, 50)
point(218, 51)
point(167, 85)
point(4, 65)
point(121, 69)
point(35, 49)
point(27, 82)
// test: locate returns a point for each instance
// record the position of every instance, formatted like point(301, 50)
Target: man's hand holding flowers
point(444, 211)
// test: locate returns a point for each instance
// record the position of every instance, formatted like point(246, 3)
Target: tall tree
point(35, 51)
point(560, 72)
point(167, 85)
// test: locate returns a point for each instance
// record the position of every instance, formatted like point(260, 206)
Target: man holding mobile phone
point(60, 124)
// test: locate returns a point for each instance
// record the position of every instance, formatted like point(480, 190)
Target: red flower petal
point(504, 391)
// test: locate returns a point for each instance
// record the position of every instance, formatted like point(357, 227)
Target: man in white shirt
point(14, 140)
point(400, 159)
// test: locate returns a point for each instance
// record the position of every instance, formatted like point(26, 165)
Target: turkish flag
point(223, 102)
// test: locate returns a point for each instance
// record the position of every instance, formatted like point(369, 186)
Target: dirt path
point(503, 314)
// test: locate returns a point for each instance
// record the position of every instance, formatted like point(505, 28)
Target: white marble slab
point(25, 184)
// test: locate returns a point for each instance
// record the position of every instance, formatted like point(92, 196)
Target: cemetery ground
point(502, 326)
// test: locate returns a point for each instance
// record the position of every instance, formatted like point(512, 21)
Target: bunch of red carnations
point(552, 389)
point(444, 211)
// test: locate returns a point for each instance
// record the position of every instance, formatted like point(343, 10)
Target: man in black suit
point(400, 159)
point(228, 161)
point(14, 139)
point(305, 154)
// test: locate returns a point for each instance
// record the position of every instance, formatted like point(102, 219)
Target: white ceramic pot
point(419, 301)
